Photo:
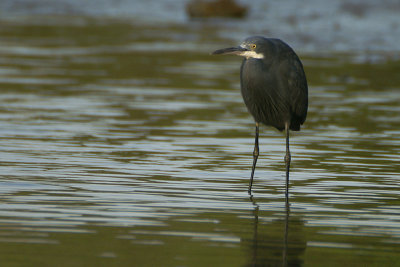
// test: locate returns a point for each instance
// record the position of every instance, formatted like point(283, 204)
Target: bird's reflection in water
point(285, 240)
point(270, 246)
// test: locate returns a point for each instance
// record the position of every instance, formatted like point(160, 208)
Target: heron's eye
point(253, 46)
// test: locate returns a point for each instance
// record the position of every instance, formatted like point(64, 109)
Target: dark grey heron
point(274, 88)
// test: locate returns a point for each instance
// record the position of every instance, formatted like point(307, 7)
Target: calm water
point(127, 144)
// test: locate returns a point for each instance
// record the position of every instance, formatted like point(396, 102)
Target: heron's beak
point(238, 50)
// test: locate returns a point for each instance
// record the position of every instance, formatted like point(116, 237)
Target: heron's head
point(252, 47)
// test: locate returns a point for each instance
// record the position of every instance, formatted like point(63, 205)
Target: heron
point(274, 89)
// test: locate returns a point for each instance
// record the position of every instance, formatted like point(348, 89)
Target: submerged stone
point(216, 8)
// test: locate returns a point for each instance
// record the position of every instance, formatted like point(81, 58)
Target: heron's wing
point(297, 88)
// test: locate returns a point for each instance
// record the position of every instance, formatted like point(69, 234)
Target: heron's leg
point(255, 157)
point(287, 161)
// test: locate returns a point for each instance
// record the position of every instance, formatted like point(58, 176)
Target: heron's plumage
point(274, 88)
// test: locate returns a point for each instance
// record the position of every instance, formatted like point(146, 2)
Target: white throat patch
point(251, 54)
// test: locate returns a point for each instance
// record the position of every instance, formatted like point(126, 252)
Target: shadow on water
point(272, 245)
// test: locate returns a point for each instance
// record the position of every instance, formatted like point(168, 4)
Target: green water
point(129, 145)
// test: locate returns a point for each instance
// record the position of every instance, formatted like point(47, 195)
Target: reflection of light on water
point(328, 245)
point(195, 236)
point(109, 134)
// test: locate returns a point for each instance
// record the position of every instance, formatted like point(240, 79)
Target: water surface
point(126, 143)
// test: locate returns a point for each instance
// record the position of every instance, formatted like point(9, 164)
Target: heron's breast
point(258, 81)
point(263, 94)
